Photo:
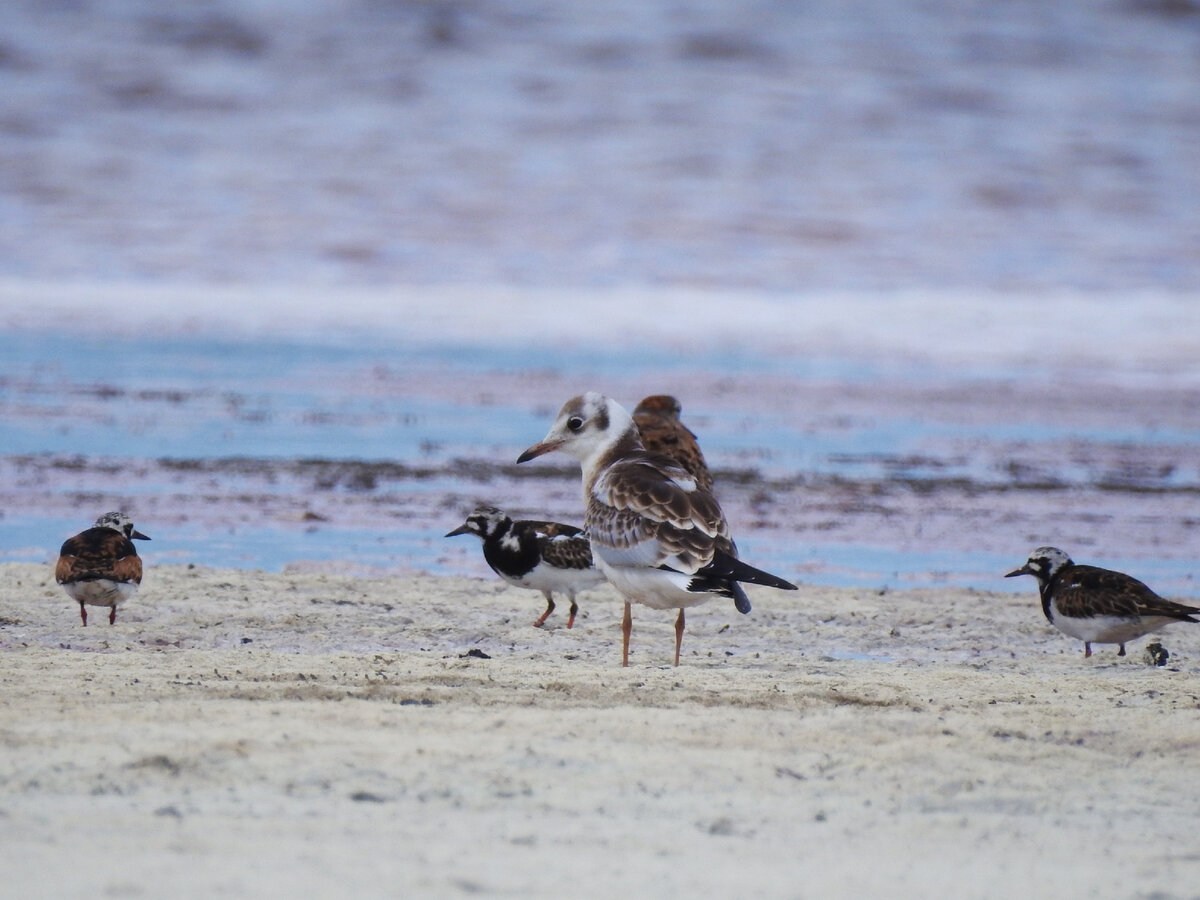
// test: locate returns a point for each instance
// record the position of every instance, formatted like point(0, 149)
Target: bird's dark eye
point(574, 423)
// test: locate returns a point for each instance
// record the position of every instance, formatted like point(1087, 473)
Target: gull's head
point(1042, 564)
point(586, 426)
point(118, 521)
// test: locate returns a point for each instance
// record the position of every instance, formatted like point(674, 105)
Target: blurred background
point(771, 145)
point(294, 283)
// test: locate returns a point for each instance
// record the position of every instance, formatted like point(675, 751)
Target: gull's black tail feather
point(740, 600)
point(736, 570)
point(721, 576)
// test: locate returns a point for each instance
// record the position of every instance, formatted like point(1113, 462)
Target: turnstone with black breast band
point(657, 536)
point(100, 566)
point(544, 556)
point(1098, 606)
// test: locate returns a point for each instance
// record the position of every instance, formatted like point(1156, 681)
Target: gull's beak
point(1024, 570)
point(461, 529)
point(137, 535)
point(538, 450)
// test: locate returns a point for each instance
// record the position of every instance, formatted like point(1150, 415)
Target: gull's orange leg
point(626, 628)
point(678, 634)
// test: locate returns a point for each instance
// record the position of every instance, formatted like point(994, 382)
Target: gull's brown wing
point(642, 508)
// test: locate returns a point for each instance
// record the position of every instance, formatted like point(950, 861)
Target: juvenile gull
point(657, 536)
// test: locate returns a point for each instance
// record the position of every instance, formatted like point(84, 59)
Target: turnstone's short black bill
point(100, 566)
point(657, 420)
point(659, 537)
point(544, 556)
point(1098, 606)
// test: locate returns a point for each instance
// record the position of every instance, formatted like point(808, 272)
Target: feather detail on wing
point(98, 553)
point(550, 529)
point(1169, 609)
point(721, 576)
point(1115, 593)
point(566, 551)
point(649, 511)
point(1084, 592)
point(657, 420)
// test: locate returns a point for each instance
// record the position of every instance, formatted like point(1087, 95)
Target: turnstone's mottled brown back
point(657, 420)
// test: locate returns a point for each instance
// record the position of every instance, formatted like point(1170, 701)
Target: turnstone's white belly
point(100, 592)
point(1103, 629)
point(550, 578)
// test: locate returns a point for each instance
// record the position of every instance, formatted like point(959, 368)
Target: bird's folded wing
point(82, 568)
point(553, 529)
point(644, 513)
point(566, 551)
point(1090, 591)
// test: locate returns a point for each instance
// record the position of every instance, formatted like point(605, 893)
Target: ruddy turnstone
point(657, 420)
point(656, 535)
point(1098, 606)
point(100, 566)
point(544, 556)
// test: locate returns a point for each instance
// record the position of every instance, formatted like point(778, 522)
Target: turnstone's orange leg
point(549, 609)
point(626, 628)
point(1121, 652)
point(678, 634)
point(83, 614)
point(112, 616)
point(574, 609)
point(1087, 650)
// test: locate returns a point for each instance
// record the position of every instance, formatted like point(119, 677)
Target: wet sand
point(251, 733)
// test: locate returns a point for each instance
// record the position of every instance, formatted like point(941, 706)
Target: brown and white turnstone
point(100, 566)
point(658, 537)
point(1098, 606)
point(657, 420)
point(544, 556)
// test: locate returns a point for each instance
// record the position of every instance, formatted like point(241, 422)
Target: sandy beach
point(251, 734)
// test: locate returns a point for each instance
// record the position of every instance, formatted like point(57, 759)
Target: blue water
point(197, 397)
point(200, 397)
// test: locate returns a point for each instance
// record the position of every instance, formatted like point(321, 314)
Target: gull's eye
point(574, 423)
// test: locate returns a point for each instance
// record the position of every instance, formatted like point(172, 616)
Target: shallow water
point(329, 453)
